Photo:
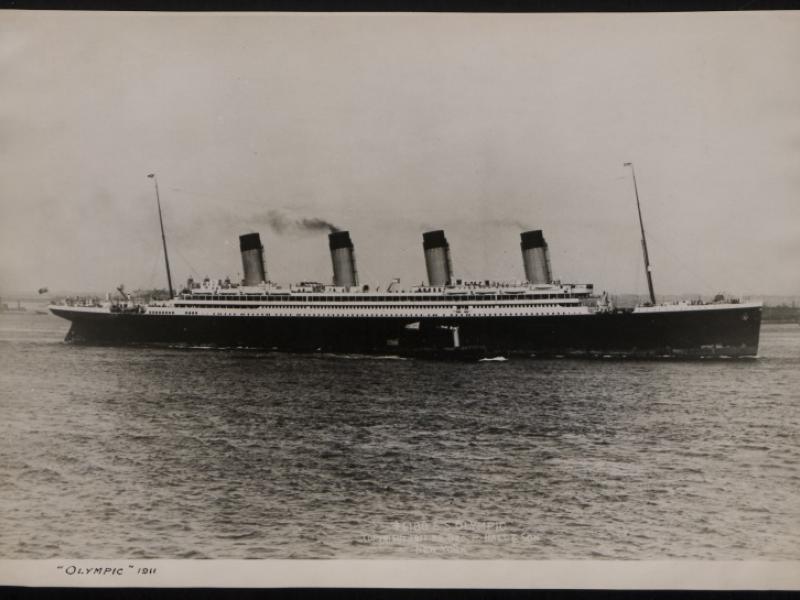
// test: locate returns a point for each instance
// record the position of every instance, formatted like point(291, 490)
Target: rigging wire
point(151, 278)
point(699, 279)
point(188, 264)
point(175, 249)
point(637, 282)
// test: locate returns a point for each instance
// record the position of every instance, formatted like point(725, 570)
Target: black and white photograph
point(429, 288)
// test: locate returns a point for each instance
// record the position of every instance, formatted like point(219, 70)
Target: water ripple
point(191, 453)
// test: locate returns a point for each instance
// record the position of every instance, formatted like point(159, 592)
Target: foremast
point(163, 237)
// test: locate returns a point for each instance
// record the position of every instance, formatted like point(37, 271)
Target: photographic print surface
point(667, 432)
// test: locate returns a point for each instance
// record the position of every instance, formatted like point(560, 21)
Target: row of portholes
point(382, 298)
point(374, 307)
point(513, 312)
point(361, 315)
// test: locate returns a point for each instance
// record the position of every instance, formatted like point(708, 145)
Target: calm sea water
point(170, 453)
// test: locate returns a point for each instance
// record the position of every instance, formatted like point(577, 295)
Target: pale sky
point(389, 125)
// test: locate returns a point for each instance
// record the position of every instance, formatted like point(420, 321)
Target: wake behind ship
point(447, 318)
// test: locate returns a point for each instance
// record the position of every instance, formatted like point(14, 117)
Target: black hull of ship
point(727, 332)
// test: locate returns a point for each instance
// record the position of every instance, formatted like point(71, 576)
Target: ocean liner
point(447, 317)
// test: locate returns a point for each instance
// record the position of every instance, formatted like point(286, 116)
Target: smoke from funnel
point(281, 223)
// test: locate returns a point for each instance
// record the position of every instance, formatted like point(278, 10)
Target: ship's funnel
point(343, 258)
point(437, 258)
point(536, 257)
point(252, 259)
